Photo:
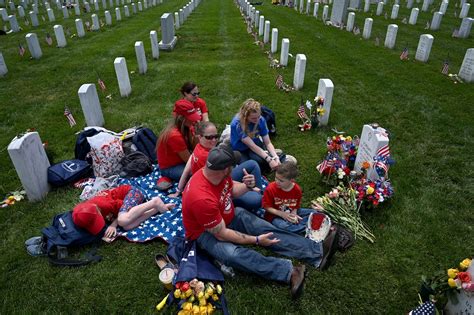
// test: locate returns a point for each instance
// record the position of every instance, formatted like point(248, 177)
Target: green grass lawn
point(426, 227)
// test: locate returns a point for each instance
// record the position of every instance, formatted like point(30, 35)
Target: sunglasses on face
point(195, 93)
point(211, 137)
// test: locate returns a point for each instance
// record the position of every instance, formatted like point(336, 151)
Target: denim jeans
point(250, 155)
point(291, 227)
point(173, 172)
point(251, 200)
point(243, 258)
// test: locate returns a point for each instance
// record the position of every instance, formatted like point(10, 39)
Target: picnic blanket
point(165, 226)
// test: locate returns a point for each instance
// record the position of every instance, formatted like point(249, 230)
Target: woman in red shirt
point(190, 93)
point(175, 144)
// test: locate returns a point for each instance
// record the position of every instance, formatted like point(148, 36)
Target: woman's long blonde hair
point(248, 107)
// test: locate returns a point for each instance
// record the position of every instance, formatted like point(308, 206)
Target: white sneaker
point(291, 158)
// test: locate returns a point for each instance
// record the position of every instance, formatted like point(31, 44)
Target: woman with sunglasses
point(207, 135)
point(249, 135)
point(175, 144)
point(190, 93)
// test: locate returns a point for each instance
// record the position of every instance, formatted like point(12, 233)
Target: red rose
point(464, 277)
point(184, 287)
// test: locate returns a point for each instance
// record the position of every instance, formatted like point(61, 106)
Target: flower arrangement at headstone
point(446, 285)
point(353, 190)
point(316, 111)
point(195, 297)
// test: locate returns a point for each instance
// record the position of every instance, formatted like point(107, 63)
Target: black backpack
point(145, 141)
point(269, 116)
point(63, 234)
point(82, 145)
point(135, 164)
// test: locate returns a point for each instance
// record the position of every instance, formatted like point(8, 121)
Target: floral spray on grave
point(316, 111)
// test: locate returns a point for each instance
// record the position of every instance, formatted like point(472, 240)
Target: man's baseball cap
point(221, 157)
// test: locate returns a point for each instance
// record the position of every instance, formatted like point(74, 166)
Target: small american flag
point(404, 54)
point(69, 117)
point(21, 50)
point(404, 21)
point(427, 308)
point(381, 168)
point(49, 40)
point(386, 15)
point(445, 69)
point(324, 165)
point(101, 85)
point(377, 41)
point(279, 81)
point(455, 33)
point(384, 151)
point(43, 18)
point(301, 112)
point(427, 27)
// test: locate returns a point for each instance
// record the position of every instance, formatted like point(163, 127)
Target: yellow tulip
point(370, 190)
point(177, 293)
point(187, 306)
point(452, 283)
point(203, 310)
point(452, 273)
point(162, 304)
point(463, 265)
point(195, 309)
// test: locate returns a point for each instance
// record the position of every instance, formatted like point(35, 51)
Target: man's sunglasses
point(195, 93)
point(211, 137)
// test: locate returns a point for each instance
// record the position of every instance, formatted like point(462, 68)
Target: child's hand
point(291, 217)
point(111, 232)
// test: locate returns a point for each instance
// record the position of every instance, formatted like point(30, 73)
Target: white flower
point(309, 105)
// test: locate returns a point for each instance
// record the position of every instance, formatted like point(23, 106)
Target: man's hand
point(266, 240)
point(248, 179)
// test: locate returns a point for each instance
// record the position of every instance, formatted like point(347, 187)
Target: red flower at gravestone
point(464, 277)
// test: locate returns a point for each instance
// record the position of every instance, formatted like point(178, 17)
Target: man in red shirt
point(210, 218)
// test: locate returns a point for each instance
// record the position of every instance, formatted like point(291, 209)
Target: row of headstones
point(35, 22)
point(27, 152)
point(34, 45)
point(425, 42)
point(325, 86)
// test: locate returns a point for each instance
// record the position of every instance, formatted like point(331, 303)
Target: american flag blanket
point(165, 226)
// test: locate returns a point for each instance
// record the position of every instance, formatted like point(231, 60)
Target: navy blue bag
point(145, 141)
point(67, 172)
point(194, 263)
point(270, 118)
point(63, 233)
point(83, 147)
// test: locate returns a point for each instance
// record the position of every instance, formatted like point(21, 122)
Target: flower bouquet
point(342, 206)
point(371, 193)
point(311, 121)
point(339, 160)
point(195, 297)
point(445, 285)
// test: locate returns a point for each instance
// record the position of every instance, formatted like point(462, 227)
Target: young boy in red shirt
point(282, 200)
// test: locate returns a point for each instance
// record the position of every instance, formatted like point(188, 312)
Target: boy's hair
point(287, 170)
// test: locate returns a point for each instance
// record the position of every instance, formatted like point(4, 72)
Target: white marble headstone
point(176, 20)
point(424, 47)
point(118, 15)
point(108, 18)
point(91, 105)
point(465, 28)
point(3, 66)
point(436, 22)
point(379, 8)
point(60, 38)
point(426, 5)
point(126, 11)
point(21, 11)
point(123, 79)
point(261, 25)
point(366, 5)
point(371, 141)
point(464, 10)
point(413, 16)
point(367, 28)
point(95, 22)
point(325, 90)
point(391, 36)
point(51, 15)
point(31, 164)
point(285, 46)
point(155, 51)
point(266, 32)
point(325, 12)
point(467, 68)
point(80, 28)
point(274, 43)
point(350, 22)
point(14, 24)
point(395, 9)
point(300, 68)
point(33, 45)
point(316, 9)
point(339, 11)
point(141, 57)
point(168, 39)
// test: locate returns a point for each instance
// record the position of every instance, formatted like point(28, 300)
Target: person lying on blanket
point(207, 135)
point(122, 206)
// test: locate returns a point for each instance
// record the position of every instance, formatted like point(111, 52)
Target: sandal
point(162, 262)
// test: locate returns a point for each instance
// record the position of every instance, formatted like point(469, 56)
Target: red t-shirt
point(167, 152)
point(205, 205)
point(278, 199)
point(198, 158)
point(110, 201)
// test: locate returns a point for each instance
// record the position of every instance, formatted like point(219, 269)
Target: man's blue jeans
point(291, 227)
point(243, 258)
point(251, 200)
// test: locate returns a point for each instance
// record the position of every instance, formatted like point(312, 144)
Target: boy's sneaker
point(36, 250)
point(291, 158)
point(35, 240)
point(164, 183)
